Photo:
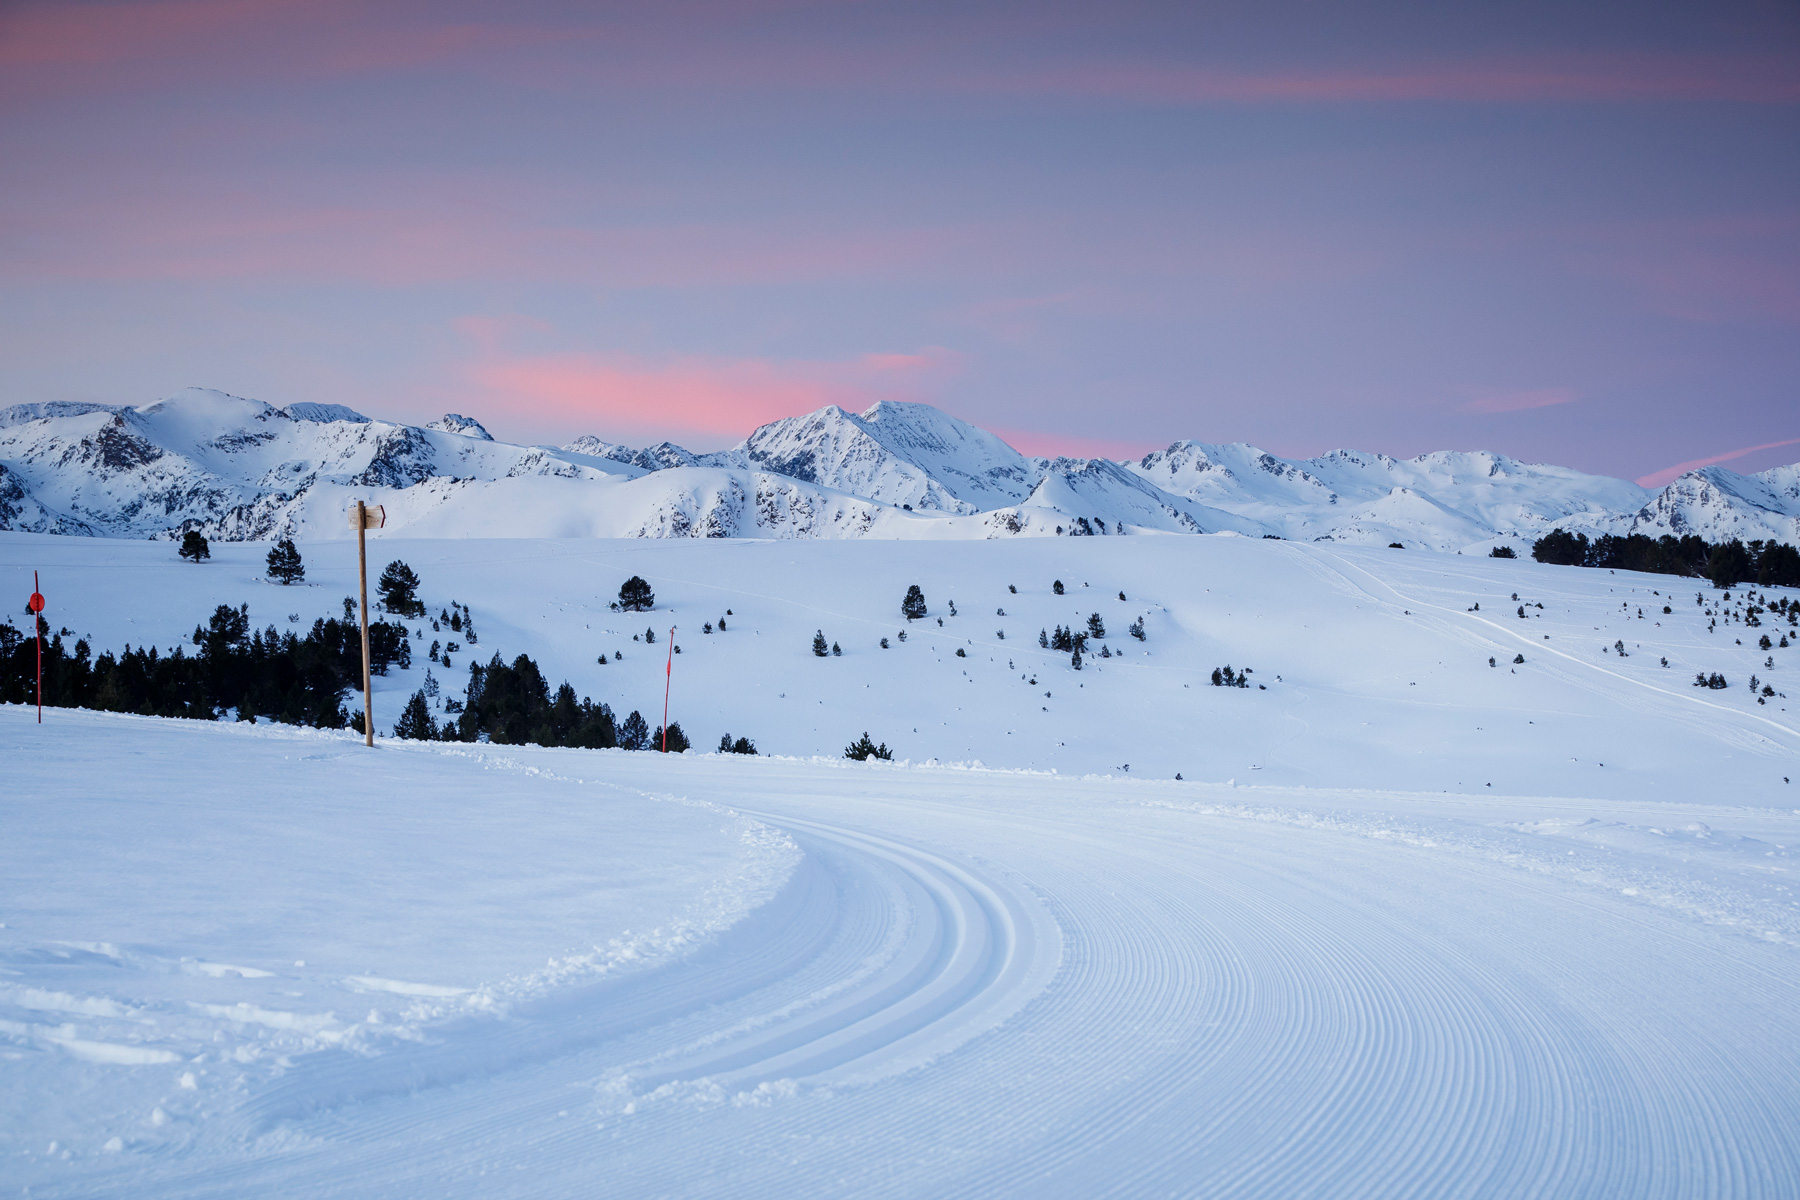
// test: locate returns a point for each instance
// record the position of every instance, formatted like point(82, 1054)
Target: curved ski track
point(1011, 991)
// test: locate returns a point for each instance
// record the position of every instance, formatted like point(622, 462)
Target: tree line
point(298, 679)
point(1723, 564)
point(288, 677)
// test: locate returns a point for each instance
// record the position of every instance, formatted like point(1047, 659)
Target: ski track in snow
point(981, 983)
point(549, 972)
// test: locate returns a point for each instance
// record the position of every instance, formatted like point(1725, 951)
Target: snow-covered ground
point(1409, 924)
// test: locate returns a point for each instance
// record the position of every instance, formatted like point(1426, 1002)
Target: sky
point(1566, 232)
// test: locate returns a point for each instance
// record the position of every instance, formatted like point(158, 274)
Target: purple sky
point(1567, 232)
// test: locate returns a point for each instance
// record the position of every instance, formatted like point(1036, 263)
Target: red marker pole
point(668, 678)
point(36, 605)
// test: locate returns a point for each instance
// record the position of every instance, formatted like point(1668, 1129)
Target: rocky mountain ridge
point(241, 469)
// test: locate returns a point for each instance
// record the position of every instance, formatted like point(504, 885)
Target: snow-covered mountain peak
point(238, 468)
point(457, 423)
point(200, 415)
point(834, 449)
point(1718, 504)
point(324, 414)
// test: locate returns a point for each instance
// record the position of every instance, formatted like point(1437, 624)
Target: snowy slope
point(1441, 501)
point(1093, 496)
point(1410, 925)
point(1719, 505)
point(1372, 652)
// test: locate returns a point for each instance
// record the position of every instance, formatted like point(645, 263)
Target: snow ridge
point(239, 469)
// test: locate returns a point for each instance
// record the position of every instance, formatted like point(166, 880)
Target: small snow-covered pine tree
point(415, 722)
point(913, 606)
point(864, 748)
point(634, 732)
point(284, 562)
point(194, 546)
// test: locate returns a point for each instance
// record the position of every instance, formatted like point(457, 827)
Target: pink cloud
point(1506, 402)
point(131, 44)
point(84, 46)
point(216, 235)
point(622, 397)
point(1668, 475)
point(1754, 78)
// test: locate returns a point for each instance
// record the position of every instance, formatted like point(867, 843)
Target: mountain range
point(240, 469)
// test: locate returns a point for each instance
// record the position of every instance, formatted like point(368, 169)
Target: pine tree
point(634, 732)
point(741, 745)
point(864, 749)
point(399, 588)
point(1043, 640)
point(649, 637)
point(1136, 629)
point(415, 722)
point(635, 595)
point(1057, 587)
point(820, 647)
point(194, 546)
point(1096, 627)
point(671, 740)
point(284, 562)
point(836, 650)
point(913, 606)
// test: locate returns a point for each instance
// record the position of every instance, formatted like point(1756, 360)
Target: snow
point(238, 469)
point(1720, 505)
point(1441, 501)
point(457, 423)
point(1408, 924)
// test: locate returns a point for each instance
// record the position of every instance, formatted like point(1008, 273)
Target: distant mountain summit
point(906, 454)
point(457, 423)
point(1719, 505)
point(240, 469)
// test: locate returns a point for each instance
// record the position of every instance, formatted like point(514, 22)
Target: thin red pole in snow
point(36, 605)
point(668, 678)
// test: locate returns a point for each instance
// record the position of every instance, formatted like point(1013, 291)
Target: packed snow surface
point(1410, 924)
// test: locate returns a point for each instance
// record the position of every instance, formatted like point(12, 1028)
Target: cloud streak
point(1668, 475)
point(59, 47)
point(1510, 402)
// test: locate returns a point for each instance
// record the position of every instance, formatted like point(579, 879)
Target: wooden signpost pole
point(363, 518)
point(668, 679)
